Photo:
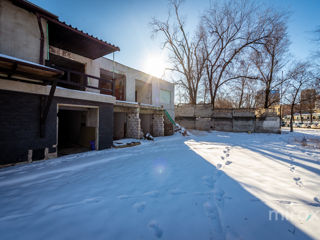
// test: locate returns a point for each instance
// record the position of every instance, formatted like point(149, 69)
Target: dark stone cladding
point(20, 125)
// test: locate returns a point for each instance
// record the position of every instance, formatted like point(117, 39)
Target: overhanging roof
point(11, 67)
point(71, 39)
point(67, 37)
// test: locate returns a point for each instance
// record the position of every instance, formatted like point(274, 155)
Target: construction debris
point(125, 143)
point(148, 136)
point(181, 130)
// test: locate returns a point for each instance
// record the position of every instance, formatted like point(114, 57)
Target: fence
point(202, 117)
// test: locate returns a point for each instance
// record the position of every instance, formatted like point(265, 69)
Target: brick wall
point(168, 127)
point(20, 125)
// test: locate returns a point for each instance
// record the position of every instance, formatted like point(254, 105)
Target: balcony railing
point(78, 80)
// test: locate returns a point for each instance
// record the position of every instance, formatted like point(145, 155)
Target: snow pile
point(206, 186)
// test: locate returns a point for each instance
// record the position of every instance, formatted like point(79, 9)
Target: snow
point(214, 185)
point(25, 61)
point(128, 102)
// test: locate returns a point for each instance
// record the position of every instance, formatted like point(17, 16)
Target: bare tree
point(244, 88)
point(317, 32)
point(270, 57)
point(316, 70)
point(224, 100)
point(187, 55)
point(299, 77)
point(308, 100)
point(232, 27)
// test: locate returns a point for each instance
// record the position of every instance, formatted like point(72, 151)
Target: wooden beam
point(46, 108)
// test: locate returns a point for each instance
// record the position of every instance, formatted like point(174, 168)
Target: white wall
point(132, 75)
point(19, 32)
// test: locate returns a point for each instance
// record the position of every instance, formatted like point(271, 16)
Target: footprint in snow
point(209, 181)
point(228, 162)
point(219, 197)
point(284, 202)
point(292, 169)
point(222, 157)
point(219, 166)
point(298, 181)
point(210, 211)
point(227, 155)
point(156, 228)
point(139, 206)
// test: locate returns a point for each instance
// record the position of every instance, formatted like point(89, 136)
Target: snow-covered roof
point(7, 58)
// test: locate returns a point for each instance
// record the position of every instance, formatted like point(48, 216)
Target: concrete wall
point(268, 124)
point(146, 123)
point(119, 125)
point(19, 32)
point(202, 117)
point(132, 75)
point(144, 92)
point(167, 86)
point(241, 124)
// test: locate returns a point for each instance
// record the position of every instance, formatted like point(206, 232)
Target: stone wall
point(168, 126)
point(133, 125)
point(202, 117)
point(158, 126)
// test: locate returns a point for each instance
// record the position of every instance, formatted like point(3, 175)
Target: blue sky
point(126, 24)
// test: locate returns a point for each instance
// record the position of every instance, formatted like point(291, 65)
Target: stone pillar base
point(133, 125)
point(158, 125)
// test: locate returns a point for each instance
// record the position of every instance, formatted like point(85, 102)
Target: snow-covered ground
point(205, 186)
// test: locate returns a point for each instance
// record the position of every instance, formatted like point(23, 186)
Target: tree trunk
point(291, 118)
point(241, 97)
point(214, 98)
point(301, 118)
point(266, 100)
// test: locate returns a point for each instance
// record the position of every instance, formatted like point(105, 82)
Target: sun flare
point(155, 65)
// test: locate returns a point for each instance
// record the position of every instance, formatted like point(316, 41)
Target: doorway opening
point(77, 129)
point(146, 123)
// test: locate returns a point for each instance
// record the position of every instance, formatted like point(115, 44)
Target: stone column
point(168, 126)
point(133, 125)
point(158, 125)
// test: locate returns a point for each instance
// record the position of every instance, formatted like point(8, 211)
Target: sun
point(155, 65)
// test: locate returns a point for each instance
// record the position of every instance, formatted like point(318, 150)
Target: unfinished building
point(59, 95)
